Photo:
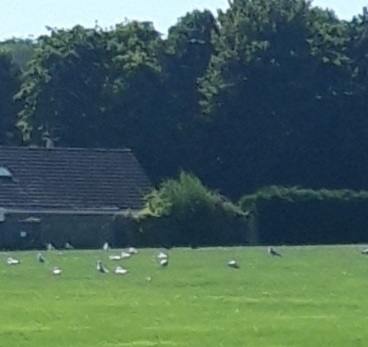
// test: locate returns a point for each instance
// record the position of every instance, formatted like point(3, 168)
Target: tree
point(269, 94)
point(9, 83)
point(82, 86)
point(184, 57)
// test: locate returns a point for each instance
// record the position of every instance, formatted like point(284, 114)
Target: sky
point(29, 18)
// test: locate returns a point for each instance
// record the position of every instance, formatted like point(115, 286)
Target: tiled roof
point(71, 178)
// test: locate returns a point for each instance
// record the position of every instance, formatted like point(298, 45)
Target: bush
point(183, 212)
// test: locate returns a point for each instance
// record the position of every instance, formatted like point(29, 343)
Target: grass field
point(312, 296)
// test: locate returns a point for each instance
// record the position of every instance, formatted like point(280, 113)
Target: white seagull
point(12, 261)
point(68, 246)
point(50, 247)
point(121, 271)
point(106, 246)
point(162, 255)
point(114, 257)
point(164, 262)
point(56, 271)
point(132, 250)
point(101, 268)
point(365, 251)
point(273, 252)
point(232, 263)
point(125, 255)
point(40, 258)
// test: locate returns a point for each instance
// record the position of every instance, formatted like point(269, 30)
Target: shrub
point(184, 212)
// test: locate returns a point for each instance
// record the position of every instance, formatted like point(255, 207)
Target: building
point(66, 194)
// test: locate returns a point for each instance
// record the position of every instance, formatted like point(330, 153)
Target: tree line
point(264, 93)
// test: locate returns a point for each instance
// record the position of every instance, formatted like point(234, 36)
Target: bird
point(12, 261)
point(162, 255)
point(273, 252)
point(365, 251)
point(40, 258)
point(68, 246)
point(50, 247)
point(121, 271)
point(132, 250)
point(232, 263)
point(115, 257)
point(125, 255)
point(106, 246)
point(56, 271)
point(101, 268)
point(164, 262)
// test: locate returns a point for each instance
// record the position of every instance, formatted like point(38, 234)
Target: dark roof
point(71, 178)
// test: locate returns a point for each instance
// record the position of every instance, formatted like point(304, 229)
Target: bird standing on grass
point(232, 263)
point(56, 271)
point(50, 247)
point(121, 271)
point(41, 258)
point(162, 255)
point(125, 255)
point(271, 251)
point(164, 262)
point(132, 250)
point(68, 246)
point(114, 257)
point(101, 268)
point(365, 251)
point(106, 246)
point(12, 261)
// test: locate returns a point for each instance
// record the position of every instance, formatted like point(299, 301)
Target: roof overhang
point(66, 211)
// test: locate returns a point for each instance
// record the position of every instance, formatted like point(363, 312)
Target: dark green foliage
point(183, 212)
point(296, 215)
point(272, 96)
point(9, 84)
point(84, 86)
point(300, 194)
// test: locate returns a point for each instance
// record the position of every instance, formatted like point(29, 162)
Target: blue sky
point(21, 18)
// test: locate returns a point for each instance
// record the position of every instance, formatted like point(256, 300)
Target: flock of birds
point(162, 259)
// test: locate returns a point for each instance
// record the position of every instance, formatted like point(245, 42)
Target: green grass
point(312, 296)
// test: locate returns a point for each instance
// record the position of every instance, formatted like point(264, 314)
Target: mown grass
point(312, 296)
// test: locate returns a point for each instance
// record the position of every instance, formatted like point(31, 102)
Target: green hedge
point(183, 212)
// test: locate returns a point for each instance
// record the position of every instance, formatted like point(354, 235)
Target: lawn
point(311, 296)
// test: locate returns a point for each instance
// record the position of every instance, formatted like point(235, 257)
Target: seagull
point(125, 255)
point(68, 246)
point(115, 257)
point(41, 258)
point(273, 252)
point(106, 246)
point(12, 261)
point(365, 251)
point(164, 262)
point(56, 271)
point(121, 271)
point(232, 263)
point(162, 255)
point(132, 250)
point(50, 247)
point(101, 268)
